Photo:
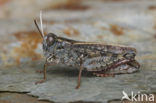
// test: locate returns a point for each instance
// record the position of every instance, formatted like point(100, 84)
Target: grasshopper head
point(48, 41)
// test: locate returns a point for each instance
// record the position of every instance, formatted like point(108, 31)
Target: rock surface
point(60, 86)
point(130, 23)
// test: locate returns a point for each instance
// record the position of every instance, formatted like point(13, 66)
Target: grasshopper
point(100, 59)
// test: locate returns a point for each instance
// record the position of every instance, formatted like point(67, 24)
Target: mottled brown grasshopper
point(100, 59)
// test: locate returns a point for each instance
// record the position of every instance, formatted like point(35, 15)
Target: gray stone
point(60, 86)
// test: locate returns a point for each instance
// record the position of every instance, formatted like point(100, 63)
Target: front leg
point(44, 74)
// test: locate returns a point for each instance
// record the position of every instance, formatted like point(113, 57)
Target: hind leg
point(123, 69)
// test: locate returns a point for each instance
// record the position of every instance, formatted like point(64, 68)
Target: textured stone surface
point(60, 86)
point(7, 97)
point(129, 23)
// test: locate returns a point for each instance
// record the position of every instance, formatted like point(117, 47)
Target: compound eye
point(49, 40)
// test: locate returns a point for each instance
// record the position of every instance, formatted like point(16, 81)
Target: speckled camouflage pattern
point(93, 57)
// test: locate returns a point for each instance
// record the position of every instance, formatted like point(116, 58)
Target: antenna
point(41, 23)
point(40, 30)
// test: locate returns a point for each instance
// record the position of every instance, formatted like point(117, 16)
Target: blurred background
point(125, 22)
